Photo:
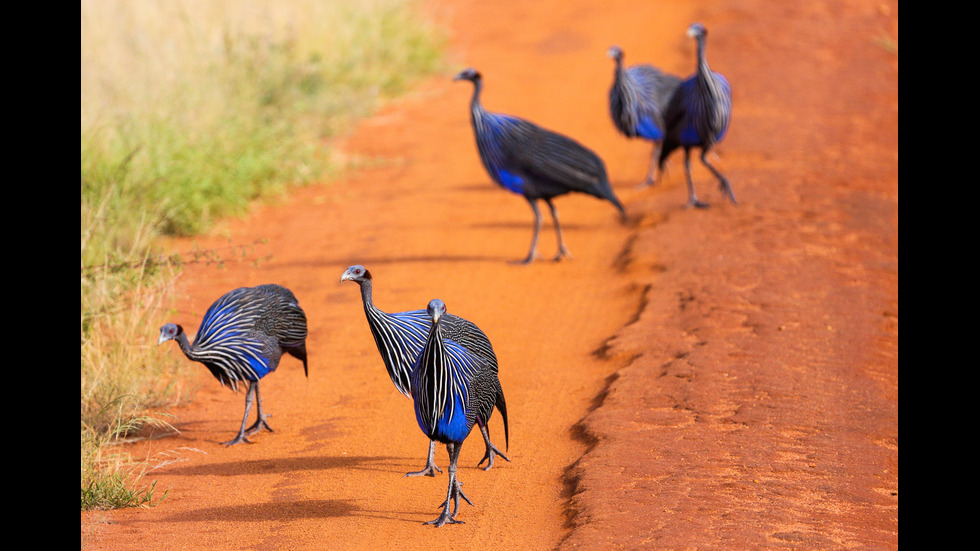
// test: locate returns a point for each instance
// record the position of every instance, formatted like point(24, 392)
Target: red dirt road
point(694, 379)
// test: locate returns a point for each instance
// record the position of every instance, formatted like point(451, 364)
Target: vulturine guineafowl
point(697, 116)
point(637, 100)
point(400, 338)
point(453, 389)
point(242, 338)
point(537, 163)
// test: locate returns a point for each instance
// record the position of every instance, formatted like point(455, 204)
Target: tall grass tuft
point(189, 111)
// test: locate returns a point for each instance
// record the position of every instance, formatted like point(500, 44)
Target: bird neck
point(704, 72)
point(475, 106)
point(366, 295)
point(185, 346)
point(618, 71)
point(707, 84)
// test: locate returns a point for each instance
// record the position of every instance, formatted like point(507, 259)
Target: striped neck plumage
point(706, 78)
point(438, 372)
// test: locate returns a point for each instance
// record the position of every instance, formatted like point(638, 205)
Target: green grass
point(190, 111)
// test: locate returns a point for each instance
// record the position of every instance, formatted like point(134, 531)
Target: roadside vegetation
point(189, 111)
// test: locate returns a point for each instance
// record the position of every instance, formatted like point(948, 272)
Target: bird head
point(615, 52)
point(469, 74)
point(356, 273)
point(436, 309)
point(169, 332)
point(697, 30)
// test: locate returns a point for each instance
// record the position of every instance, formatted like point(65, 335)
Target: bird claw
point(491, 452)
point(444, 518)
point(429, 470)
point(562, 253)
point(237, 440)
point(259, 425)
point(454, 499)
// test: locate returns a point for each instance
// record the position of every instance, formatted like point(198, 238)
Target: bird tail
point(619, 206)
point(502, 408)
point(299, 352)
point(608, 194)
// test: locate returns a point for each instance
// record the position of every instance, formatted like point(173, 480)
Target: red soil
point(695, 379)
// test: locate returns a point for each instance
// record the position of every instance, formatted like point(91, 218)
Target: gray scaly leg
point(454, 492)
point(692, 198)
point(430, 466)
point(562, 250)
point(249, 397)
point(492, 450)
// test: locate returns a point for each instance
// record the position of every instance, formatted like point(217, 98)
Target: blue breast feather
point(648, 129)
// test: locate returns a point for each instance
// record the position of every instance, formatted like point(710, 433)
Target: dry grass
point(189, 111)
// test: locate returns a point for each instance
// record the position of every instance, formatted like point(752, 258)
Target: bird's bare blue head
point(469, 74)
point(697, 31)
point(169, 332)
point(615, 52)
point(436, 309)
point(356, 273)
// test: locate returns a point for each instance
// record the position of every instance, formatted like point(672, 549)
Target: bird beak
point(162, 338)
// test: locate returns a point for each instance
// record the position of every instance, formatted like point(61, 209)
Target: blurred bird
point(242, 338)
point(697, 116)
point(453, 389)
point(400, 338)
point(637, 101)
point(537, 163)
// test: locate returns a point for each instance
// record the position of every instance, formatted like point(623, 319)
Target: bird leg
point(532, 254)
point(562, 250)
point(492, 450)
point(430, 466)
point(724, 183)
point(692, 198)
point(260, 422)
point(249, 397)
point(454, 492)
point(652, 171)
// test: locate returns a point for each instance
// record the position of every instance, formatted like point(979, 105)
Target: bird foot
point(257, 426)
point(698, 204)
point(237, 440)
point(457, 493)
point(562, 253)
point(491, 452)
point(727, 190)
point(444, 518)
point(429, 470)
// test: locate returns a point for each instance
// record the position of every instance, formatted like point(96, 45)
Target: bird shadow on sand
point(261, 512)
point(292, 510)
point(289, 465)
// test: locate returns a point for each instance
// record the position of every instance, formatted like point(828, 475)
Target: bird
point(537, 163)
point(242, 337)
point(698, 115)
point(638, 98)
point(452, 389)
point(400, 338)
